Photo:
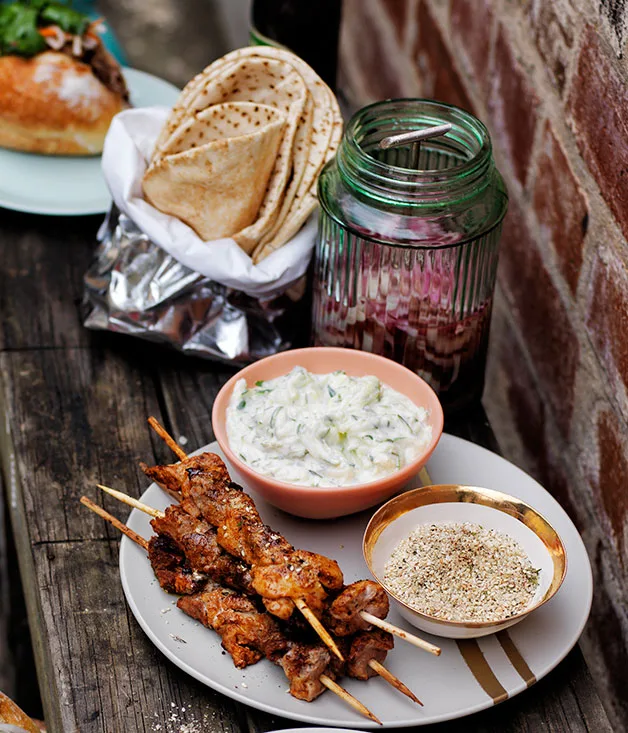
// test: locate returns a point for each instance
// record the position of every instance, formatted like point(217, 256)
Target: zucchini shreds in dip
point(325, 429)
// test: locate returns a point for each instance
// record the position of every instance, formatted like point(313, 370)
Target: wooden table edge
point(15, 501)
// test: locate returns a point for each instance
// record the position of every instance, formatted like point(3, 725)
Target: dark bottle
point(310, 28)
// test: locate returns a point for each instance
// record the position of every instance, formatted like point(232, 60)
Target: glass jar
point(406, 255)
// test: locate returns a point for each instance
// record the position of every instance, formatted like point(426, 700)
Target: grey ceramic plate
point(67, 185)
point(318, 730)
point(534, 646)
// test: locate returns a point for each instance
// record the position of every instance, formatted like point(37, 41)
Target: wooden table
point(74, 406)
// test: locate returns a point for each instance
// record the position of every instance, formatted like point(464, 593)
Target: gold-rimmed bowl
point(491, 509)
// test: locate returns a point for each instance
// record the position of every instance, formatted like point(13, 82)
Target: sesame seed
point(462, 572)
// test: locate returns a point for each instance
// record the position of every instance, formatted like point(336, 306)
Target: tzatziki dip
point(325, 429)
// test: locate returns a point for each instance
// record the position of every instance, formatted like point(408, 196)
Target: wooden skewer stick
point(392, 680)
point(348, 698)
point(374, 664)
point(167, 438)
point(401, 633)
point(322, 632)
point(126, 499)
point(116, 522)
point(299, 603)
point(327, 681)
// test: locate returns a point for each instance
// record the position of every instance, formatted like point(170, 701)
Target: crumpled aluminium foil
point(135, 287)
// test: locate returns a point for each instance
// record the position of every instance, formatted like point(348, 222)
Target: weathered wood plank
point(20, 527)
point(77, 418)
point(17, 666)
point(7, 664)
point(41, 279)
point(110, 677)
point(189, 396)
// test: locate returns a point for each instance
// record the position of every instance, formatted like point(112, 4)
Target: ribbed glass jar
point(407, 246)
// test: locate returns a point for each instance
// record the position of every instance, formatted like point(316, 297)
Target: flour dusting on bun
point(59, 86)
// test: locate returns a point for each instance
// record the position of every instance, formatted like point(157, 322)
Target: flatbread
point(326, 134)
point(178, 112)
point(300, 214)
point(215, 168)
point(325, 113)
point(275, 77)
point(306, 198)
point(267, 81)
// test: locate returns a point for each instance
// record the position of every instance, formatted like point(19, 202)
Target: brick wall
point(549, 79)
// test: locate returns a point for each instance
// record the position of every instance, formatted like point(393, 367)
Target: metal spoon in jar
point(414, 138)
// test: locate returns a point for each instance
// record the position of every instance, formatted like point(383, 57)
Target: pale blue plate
point(64, 185)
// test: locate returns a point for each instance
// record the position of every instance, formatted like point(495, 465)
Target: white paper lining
point(127, 149)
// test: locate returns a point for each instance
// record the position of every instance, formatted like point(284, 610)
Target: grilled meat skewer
point(344, 614)
point(280, 606)
point(207, 492)
point(300, 673)
point(365, 653)
point(170, 567)
point(198, 541)
point(245, 632)
point(192, 567)
point(361, 649)
point(279, 573)
point(248, 635)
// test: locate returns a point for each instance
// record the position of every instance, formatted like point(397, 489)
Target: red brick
point(525, 402)
point(561, 206)
point(512, 105)
point(553, 22)
point(557, 482)
point(529, 413)
point(471, 22)
point(613, 474)
point(548, 334)
point(607, 320)
point(401, 13)
point(362, 36)
point(439, 78)
point(598, 102)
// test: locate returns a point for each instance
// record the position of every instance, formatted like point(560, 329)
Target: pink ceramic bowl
point(330, 502)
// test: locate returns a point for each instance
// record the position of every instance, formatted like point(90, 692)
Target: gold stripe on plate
point(424, 477)
point(516, 658)
point(481, 670)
